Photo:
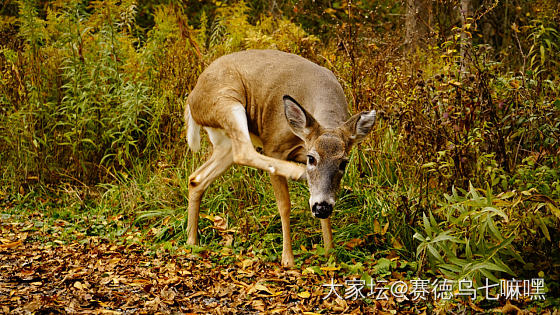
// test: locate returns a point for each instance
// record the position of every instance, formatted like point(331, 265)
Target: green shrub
point(472, 240)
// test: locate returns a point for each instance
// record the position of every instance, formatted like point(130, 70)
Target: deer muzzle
point(322, 210)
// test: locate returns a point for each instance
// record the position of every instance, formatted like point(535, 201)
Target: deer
point(294, 111)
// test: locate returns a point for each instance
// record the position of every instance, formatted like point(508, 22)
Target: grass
point(154, 201)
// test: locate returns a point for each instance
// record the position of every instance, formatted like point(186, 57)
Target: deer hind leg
point(220, 160)
point(235, 124)
point(282, 194)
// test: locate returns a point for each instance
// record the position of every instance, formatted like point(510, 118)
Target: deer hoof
point(287, 262)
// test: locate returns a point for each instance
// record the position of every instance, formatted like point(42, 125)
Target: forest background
point(460, 178)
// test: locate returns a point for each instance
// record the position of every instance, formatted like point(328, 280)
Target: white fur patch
point(318, 198)
point(218, 137)
point(193, 130)
point(240, 115)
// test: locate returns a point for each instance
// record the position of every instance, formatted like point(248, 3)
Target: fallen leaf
point(263, 288)
point(330, 268)
point(258, 305)
point(220, 223)
point(385, 229)
point(353, 243)
point(78, 285)
point(376, 227)
point(11, 245)
point(396, 244)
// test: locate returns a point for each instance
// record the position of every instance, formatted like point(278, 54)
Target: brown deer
point(248, 98)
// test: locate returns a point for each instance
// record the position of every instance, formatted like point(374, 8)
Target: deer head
point(327, 151)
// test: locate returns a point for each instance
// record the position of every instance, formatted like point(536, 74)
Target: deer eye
point(311, 160)
point(342, 165)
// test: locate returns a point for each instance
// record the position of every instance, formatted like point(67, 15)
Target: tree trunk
point(466, 40)
point(417, 23)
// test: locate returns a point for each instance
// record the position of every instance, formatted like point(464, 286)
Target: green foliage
point(470, 241)
point(485, 235)
point(543, 53)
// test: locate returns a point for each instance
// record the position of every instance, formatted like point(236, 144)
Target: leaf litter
point(46, 273)
point(39, 273)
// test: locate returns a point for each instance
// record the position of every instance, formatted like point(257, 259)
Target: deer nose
point(322, 210)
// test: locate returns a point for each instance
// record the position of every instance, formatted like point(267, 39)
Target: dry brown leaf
point(258, 305)
point(396, 244)
point(78, 285)
point(11, 245)
point(354, 243)
point(220, 223)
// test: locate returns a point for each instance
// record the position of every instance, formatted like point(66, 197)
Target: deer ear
point(300, 121)
point(360, 125)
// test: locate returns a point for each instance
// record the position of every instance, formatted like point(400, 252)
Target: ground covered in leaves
point(44, 272)
point(39, 273)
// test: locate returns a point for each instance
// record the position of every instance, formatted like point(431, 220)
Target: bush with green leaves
point(472, 240)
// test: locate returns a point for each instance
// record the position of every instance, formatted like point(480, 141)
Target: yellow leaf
point(330, 268)
point(11, 244)
point(262, 287)
point(207, 216)
point(385, 229)
point(376, 227)
point(507, 195)
point(304, 294)
point(553, 209)
point(309, 270)
point(454, 83)
point(78, 285)
point(246, 263)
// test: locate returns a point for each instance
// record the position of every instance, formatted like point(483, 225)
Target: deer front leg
point(234, 123)
point(327, 234)
point(282, 194)
point(245, 154)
